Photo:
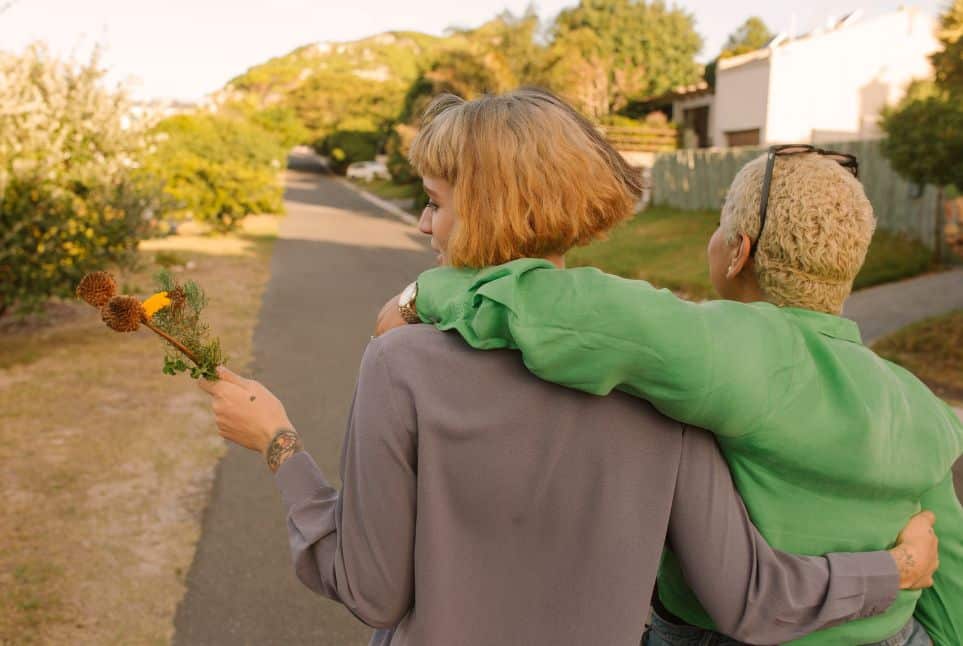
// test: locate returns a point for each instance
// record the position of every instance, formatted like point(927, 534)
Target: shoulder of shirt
point(411, 342)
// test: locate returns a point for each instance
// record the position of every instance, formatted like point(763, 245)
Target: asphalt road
point(337, 260)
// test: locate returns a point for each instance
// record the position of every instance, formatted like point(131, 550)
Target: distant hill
point(358, 85)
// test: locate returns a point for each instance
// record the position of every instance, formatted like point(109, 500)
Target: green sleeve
point(718, 365)
point(940, 608)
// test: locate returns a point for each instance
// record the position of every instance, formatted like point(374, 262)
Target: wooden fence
point(699, 179)
point(642, 138)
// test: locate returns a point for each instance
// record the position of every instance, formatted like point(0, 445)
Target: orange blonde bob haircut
point(531, 176)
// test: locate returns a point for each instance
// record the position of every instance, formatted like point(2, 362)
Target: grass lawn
point(667, 247)
point(387, 189)
point(106, 464)
point(933, 351)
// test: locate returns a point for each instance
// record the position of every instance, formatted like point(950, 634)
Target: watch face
point(408, 295)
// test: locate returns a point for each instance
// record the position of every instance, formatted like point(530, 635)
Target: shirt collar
point(836, 327)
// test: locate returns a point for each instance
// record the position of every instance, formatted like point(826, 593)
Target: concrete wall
point(742, 97)
point(832, 86)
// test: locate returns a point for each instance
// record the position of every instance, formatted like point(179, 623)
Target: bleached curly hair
point(819, 223)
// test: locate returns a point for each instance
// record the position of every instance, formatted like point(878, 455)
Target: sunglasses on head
point(845, 160)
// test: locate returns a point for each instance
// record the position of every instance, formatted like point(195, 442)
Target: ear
point(741, 256)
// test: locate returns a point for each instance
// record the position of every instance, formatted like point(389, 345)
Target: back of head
point(819, 224)
point(531, 176)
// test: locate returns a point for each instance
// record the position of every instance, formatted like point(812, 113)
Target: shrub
point(925, 130)
point(283, 123)
point(925, 140)
point(217, 169)
point(344, 147)
point(69, 203)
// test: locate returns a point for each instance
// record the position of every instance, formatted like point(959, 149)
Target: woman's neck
point(557, 259)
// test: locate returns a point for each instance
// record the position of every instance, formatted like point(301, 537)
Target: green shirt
point(831, 447)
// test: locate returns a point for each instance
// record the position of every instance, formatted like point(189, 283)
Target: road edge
point(384, 205)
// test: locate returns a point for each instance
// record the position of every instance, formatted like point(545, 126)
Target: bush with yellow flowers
point(69, 200)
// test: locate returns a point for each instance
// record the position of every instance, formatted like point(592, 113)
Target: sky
point(184, 49)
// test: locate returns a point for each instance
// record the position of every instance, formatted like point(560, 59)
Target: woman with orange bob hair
point(529, 177)
point(483, 506)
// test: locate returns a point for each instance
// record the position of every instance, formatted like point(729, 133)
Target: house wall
point(741, 100)
point(832, 86)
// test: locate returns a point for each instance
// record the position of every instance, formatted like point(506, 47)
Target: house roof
point(781, 40)
point(682, 91)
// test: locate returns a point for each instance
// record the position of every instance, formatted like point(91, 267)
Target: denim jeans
point(662, 633)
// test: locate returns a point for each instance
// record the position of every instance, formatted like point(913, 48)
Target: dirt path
point(336, 261)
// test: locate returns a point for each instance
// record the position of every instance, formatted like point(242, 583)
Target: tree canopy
point(751, 35)
point(216, 168)
point(925, 131)
point(625, 50)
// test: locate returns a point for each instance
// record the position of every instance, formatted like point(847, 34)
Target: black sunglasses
point(845, 160)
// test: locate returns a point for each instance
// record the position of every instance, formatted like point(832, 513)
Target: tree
point(579, 72)
point(495, 57)
point(753, 34)
point(925, 130)
point(948, 62)
point(216, 168)
point(69, 201)
point(644, 48)
point(343, 147)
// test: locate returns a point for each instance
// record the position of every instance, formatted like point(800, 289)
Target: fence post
point(938, 228)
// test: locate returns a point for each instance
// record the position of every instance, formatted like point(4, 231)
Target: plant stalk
point(177, 344)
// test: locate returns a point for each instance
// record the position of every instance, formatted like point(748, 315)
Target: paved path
point(337, 260)
point(887, 308)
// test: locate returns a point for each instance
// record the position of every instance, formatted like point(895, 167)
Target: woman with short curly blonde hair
point(819, 224)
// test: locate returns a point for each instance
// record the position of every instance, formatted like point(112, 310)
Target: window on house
point(742, 137)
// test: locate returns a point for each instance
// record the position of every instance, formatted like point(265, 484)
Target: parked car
point(368, 171)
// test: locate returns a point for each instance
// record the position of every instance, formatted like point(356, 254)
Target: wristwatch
point(406, 303)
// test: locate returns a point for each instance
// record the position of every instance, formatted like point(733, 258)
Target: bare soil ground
point(105, 463)
point(932, 350)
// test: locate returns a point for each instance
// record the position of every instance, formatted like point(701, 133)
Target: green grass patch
point(664, 246)
point(389, 190)
point(667, 247)
point(892, 257)
point(169, 259)
point(932, 350)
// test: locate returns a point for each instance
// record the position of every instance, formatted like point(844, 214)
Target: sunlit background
point(183, 49)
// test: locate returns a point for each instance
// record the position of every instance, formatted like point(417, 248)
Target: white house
point(826, 86)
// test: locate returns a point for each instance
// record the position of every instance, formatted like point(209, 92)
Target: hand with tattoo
point(249, 414)
point(917, 552)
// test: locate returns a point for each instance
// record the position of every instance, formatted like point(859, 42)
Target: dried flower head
point(123, 313)
point(97, 288)
point(178, 298)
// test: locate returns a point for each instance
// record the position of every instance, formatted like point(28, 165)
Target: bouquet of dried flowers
point(173, 313)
